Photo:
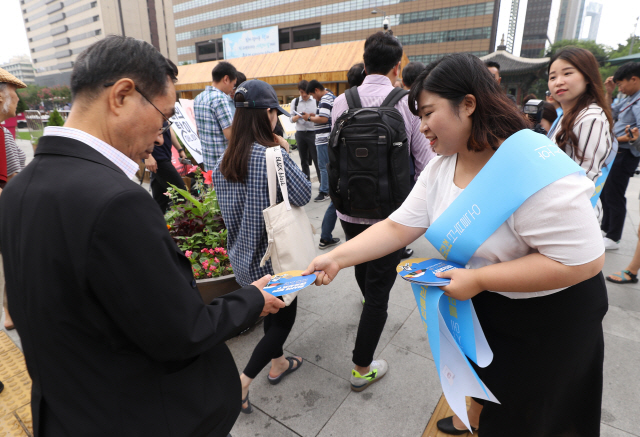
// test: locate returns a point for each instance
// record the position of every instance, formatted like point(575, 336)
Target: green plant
point(55, 119)
point(196, 225)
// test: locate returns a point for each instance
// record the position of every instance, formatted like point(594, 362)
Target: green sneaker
point(377, 371)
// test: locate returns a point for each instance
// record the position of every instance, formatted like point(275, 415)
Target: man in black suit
point(117, 339)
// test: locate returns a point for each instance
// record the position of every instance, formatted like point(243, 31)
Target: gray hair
point(116, 57)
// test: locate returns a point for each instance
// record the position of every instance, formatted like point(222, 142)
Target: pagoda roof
point(510, 64)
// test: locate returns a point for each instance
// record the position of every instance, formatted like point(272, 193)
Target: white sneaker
point(377, 371)
point(609, 244)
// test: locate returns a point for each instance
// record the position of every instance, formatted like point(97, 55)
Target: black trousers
point(614, 202)
point(166, 173)
point(375, 279)
point(306, 142)
point(548, 355)
point(276, 330)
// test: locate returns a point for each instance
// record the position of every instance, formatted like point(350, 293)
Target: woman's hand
point(325, 268)
point(464, 283)
point(282, 142)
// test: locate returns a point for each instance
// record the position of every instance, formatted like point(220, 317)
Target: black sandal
point(249, 408)
point(446, 426)
point(618, 278)
point(291, 369)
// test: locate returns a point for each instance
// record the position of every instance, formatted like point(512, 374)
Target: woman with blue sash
point(584, 128)
point(535, 252)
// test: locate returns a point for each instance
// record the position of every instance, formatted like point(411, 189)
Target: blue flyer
point(288, 282)
point(423, 271)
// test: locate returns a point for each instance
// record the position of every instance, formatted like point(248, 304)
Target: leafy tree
point(623, 49)
point(600, 51)
point(55, 119)
point(21, 107)
point(30, 95)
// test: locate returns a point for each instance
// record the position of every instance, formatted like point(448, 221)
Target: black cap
point(258, 94)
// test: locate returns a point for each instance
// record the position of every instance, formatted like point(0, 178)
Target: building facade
point(22, 68)
point(569, 19)
point(594, 12)
point(427, 29)
point(59, 30)
point(536, 25)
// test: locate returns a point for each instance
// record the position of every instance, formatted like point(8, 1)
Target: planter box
point(215, 287)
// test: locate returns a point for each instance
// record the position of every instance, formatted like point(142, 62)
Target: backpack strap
point(353, 98)
point(295, 108)
point(394, 97)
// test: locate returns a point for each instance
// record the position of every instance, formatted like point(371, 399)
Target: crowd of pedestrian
point(111, 300)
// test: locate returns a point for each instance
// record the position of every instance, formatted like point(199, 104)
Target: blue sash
point(606, 168)
point(524, 164)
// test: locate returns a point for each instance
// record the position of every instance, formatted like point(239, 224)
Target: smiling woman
point(527, 316)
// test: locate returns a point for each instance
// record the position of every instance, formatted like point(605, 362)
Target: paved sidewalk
point(317, 400)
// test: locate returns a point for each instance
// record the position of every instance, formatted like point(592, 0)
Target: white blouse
point(557, 221)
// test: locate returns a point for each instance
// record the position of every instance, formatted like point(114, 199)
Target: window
point(303, 35)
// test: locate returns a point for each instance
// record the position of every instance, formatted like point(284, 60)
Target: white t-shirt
point(557, 221)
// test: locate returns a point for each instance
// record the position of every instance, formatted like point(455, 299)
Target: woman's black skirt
point(547, 365)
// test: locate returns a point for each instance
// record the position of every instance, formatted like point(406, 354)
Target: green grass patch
point(23, 136)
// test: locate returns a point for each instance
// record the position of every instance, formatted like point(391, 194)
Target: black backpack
point(369, 158)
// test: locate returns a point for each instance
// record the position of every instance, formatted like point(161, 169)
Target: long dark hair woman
point(584, 128)
point(240, 181)
point(535, 283)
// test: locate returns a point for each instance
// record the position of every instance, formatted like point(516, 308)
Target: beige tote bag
point(291, 245)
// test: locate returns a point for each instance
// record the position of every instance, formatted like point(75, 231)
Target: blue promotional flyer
point(423, 271)
point(288, 282)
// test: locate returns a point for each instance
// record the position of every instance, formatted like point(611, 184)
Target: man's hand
point(151, 164)
point(295, 118)
point(306, 116)
point(609, 85)
point(632, 134)
point(271, 303)
point(464, 284)
point(325, 267)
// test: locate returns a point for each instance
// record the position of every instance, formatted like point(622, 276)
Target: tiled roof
point(515, 64)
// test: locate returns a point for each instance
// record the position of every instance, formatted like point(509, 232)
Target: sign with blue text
point(251, 42)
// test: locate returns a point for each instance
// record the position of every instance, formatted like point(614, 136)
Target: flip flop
point(276, 380)
point(619, 278)
point(249, 408)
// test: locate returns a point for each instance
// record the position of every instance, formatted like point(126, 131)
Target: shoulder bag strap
point(353, 98)
point(271, 174)
point(394, 97)
point(275, 169)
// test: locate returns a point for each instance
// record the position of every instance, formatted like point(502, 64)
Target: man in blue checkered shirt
point(214, 111)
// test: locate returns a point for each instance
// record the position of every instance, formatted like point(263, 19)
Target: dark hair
point(584, 61)
point(223, 69)
point(490, 64)
point(627, 71)
point(410, 72)
point(382, 52)
point(314, 85)
point(302, 85)
point(250, 125)
point(116, 57)
point(549, 112)
point(240, 78)
point(527, 98)
point(356, 75)
point(457, 75)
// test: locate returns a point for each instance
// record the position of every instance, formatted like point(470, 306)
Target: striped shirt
point(214, 112)
point(15, 155)
point(242, 204)
point(127, 165)
point(372, 92)
point(325, 107)
point(594, 140)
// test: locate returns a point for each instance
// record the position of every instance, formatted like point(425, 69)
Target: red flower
point(208, 177)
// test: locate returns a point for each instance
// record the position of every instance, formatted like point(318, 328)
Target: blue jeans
point(323, 161)
point(328, 223)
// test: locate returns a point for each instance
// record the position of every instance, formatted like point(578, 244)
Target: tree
point(55, 119)
point(600, 51)
point(30, 95)
point(21, 107)
point(623, 49)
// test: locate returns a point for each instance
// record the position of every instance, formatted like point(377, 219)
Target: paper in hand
point(422, 271)
point(289, 282)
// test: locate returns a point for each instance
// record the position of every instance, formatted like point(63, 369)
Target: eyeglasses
point(163, 129)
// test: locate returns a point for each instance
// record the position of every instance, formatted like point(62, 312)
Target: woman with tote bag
point(240, 179)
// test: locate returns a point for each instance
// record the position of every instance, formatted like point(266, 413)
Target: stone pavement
point(317, 400)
